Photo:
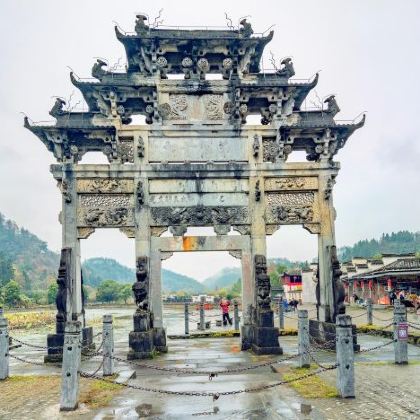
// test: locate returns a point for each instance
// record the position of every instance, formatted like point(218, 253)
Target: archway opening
point(108, 268)
point(188, 277)
point(292, 254)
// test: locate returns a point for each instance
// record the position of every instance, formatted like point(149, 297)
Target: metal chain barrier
point(380, 319)
point(214, 395)
point(359, 315)
point(413, 326)
point(377, 347)
point(211, 374)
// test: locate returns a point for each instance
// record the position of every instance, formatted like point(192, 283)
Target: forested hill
point(96, 270)
point(24, 257)
point(389, 243)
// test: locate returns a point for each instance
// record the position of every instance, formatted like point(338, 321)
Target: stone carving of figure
point(141, 286)
point(262, 283)
point(63, 282)
point(141, 28)
point(338, 288)
point(246, 30)
point(140, 148)
point(332, 106)
point(57, 108)
point(287, 70)
point(140, 194)
point(256, 146)
point(97, 70)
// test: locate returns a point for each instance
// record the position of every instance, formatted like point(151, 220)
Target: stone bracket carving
point(84, 232)
point(130, 232)
point(164, 255)
point(312, 227)
point(236, 254)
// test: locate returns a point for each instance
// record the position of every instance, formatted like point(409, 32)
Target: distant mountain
point(224, 278)
point(33, 264)
point(95, 270)
point(173, 282)
point(394, 243)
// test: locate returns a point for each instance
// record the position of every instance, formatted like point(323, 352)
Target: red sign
point(402, 331)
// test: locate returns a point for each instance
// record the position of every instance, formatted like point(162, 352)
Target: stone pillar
point(281, 314)
point(236, 315)
point(70, 240)
point(155, 293)
point(345, 357)
point(71, 366)
point(326, 239)
point(108, 345)
point(303, 338)
point(400, 345)
point(187, 318)
point(248, 297)
point(202, 326)
point(4, 347)
point(369, 308)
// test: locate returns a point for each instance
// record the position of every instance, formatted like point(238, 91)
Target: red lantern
point(370, 284)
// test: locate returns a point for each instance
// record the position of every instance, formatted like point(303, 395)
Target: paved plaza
point(383, 390)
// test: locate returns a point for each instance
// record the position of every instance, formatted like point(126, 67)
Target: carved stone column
point(70, 240)
point(326, 240)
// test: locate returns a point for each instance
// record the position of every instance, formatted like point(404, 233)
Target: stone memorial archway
point(196, 163)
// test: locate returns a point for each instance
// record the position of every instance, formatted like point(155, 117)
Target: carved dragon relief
point(102, 210)
point(181, 217)
point(290, 208)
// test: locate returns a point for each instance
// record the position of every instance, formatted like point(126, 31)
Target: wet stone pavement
point(383, 390)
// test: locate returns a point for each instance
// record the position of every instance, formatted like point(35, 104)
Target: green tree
point(52, 293)
point(6, 269)
point(108, 291)
point(38, 296)
point(12, 293)
point(126, 292)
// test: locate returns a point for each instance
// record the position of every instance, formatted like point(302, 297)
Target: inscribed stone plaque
point(195, 149)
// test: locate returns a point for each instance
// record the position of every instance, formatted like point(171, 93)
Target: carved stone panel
point(99, 185)
point(291, 208)
point(198, 216)
point(291, 183)
point(100, 210)
point(193, 107)
point(125, 149)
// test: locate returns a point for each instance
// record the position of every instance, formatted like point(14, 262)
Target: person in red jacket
point(224, 304)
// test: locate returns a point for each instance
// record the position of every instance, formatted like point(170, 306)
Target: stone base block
point(141, 345)
point(265, 340)
point(142, 321)
point(55, 345)
point(246, 337)
point(159, 340)
point(323, 334)
point(265, 319)
point(266, 350)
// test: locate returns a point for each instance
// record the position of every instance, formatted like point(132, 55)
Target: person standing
point(224, 304)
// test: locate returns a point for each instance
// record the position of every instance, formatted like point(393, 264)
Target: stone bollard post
point(187, 318)
point(400, 334)
point(236, 314)
point(202, 321)
point(71, 366)
point(345, 357)
point(4, 347)
point(303, 338)
point(108, 345)
point(369, 311)
point(281, 314)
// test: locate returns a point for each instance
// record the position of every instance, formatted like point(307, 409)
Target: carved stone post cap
point(302, 313)
point(343, 321)
point(73, 327)
point(107, 319)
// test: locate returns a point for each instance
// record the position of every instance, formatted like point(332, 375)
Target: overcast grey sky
point(368, 54)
